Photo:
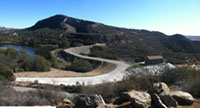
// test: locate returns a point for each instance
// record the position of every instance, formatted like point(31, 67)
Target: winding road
point(115, 75)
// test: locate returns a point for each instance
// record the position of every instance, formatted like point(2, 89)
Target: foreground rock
point(106, 106)
point(183, 98)
point(163, 91)
point(138, 99)
point(66, 103)
point(89, 101)
point(157, 101)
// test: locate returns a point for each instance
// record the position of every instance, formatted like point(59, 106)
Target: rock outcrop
point(163, 91)
point(138, 99)
point(158, 96)
point(183, 98)
point(157, 101)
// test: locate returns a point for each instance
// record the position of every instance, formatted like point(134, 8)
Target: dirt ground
point(55, 73)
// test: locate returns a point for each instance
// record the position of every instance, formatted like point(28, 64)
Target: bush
point(171, 76)
point(112, 90)
point(187, 78)
point(10, 97)
point(24, 61)
point(6, 75)
point(80, 66)
point(41, 64)
point(194, 86)
point(99, 51)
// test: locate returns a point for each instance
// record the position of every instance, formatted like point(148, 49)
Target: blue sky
point(168, 16)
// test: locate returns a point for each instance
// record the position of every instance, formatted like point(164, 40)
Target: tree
point(64, 43)
point(11, 52)
point(24, 60)
point(41, 64)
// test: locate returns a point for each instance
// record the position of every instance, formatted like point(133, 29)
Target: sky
point(167, 16)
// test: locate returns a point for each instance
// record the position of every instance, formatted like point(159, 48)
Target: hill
point(125, 44)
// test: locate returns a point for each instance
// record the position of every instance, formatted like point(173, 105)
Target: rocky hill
point(125, 44)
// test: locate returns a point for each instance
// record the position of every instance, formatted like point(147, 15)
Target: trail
point(115, 75)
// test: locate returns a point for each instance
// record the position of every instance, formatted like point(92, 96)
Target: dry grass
point(11, 97)
point(102, 69)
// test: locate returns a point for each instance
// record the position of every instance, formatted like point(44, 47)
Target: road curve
point(116, 75)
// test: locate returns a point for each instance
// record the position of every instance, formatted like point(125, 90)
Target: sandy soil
point(55, 73)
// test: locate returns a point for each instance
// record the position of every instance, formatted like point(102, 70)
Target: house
point(154, 59)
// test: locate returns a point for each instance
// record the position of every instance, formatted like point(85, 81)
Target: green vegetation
point(14, 61)
point(125, 44)
point(134, 66)
point(41, 64)
point(80, 66)
point(99, 51)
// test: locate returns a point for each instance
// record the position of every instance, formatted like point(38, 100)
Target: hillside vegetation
point(126, 44)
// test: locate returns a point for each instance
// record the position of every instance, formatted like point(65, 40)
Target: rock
point(138, 99)
point(119, 100)
point(163, 91)
point(106, 106)
point(183, 98)
point(59, 105)
point(158, 102)
point(66, 103)
point(159, 88)
point(89, 101)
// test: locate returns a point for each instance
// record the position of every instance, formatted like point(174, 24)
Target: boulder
point(157, 101)
point(138, 99)
point(89, 101)
point(163, 91)
point(106, 106)
point(66, 103)
point(183, 98)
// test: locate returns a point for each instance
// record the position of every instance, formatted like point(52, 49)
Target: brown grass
point(102, 69)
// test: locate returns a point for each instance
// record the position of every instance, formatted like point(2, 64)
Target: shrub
point(24, 61)
point(80, 66)
point(99, 51)
point(10, 97)
point(41, 64)
point(171, 76)
point(112, 90)
point(11, 52)
point(194, 86)
point(6, 75)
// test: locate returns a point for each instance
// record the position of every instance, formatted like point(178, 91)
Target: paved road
point(116, 75)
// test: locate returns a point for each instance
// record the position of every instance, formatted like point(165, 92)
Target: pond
point(30, 50)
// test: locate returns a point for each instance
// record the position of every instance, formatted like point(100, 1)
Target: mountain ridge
point(125, 44)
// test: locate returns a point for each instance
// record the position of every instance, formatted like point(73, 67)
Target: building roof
point(155, 57)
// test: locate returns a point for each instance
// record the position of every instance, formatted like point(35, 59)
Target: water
point(30, 50)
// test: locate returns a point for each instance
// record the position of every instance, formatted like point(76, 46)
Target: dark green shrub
point(80, 66)
point(6, 75)
point(41, 64)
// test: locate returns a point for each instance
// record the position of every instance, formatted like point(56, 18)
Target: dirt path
point(114, 75)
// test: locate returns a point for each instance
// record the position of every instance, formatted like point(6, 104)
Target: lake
point(30, 50)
